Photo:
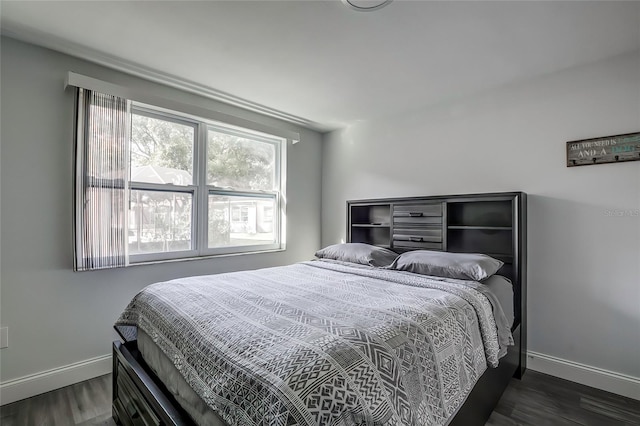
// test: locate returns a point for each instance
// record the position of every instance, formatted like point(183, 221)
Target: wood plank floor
point(537, 400)
point(85, 403)
point(540, 399)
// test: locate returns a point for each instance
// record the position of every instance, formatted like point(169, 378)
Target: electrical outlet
point(4, 337)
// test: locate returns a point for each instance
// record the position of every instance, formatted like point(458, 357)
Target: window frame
point(201, 190)
point(146, 111)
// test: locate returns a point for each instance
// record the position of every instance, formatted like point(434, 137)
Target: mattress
point(168, 374)
point(358, 289)
point(502, 289)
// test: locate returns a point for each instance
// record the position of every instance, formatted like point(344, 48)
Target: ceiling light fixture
point(366, 5)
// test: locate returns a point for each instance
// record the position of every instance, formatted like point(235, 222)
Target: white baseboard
point(35, 384)
point(599, 378)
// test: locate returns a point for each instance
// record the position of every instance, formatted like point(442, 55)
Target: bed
point(335, 342)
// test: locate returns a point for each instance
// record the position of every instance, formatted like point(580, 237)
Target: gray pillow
point(364, 254)
point(463, 266)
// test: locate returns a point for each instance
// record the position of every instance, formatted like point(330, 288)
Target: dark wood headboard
point(494, 224)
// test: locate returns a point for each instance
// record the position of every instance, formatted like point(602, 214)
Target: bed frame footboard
point(138, 395)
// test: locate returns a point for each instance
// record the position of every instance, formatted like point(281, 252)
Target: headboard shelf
point(497, 213)
point(371, 214)
point(493, 224)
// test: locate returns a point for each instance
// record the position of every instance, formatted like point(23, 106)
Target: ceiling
point(324, 65)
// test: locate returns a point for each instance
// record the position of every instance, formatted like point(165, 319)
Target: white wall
point(584, 265)
point(57, 317)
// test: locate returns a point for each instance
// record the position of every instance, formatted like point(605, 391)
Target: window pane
point(240, 221)
point(159, 221)
point(161, 151)
point(240, 163)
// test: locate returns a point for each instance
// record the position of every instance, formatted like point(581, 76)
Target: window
point(162, 184)
point(195, 187)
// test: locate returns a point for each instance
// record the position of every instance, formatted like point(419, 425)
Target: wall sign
point(609, 149)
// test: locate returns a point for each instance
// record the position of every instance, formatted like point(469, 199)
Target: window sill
point(209, 256)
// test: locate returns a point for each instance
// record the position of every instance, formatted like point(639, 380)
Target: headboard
point(494, 224)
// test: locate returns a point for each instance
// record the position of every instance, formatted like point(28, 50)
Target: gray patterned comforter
point(324, 343)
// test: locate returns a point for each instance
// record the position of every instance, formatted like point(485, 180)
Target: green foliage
point(232, 161)
point(219, 224)
point(239, 163)
point(161, 143)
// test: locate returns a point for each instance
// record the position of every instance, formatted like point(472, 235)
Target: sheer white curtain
point(102, 180)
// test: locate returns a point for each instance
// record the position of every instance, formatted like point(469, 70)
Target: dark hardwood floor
point(537, 400)
point(540, 399)
point(85, 403)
